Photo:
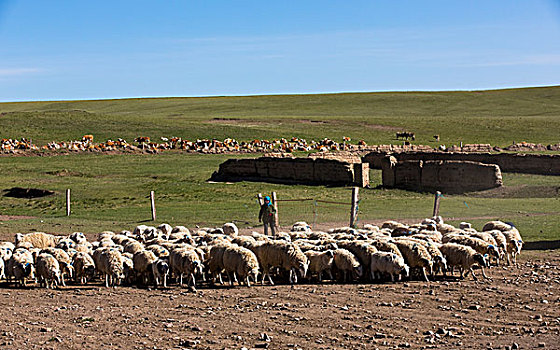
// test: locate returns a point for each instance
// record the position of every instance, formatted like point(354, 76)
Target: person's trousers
point(272, 232)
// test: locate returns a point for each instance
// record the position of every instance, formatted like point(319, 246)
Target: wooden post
point(354, 210)
point(436, 203)
point(260, 199)
point(153, 203)
point(68, 202)
point(275, 204)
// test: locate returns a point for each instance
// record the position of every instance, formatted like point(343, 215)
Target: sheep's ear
point(485, 256)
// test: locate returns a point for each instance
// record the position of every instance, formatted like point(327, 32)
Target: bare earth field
point(519, 305)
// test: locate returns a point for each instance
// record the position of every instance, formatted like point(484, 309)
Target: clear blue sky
point(54, 50)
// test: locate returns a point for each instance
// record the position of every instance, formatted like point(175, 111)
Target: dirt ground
point(519, 305)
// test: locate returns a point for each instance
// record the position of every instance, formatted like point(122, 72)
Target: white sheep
point(346, 262)
point(389, 263)
point(37, 239)
point(416, 256)
point(283, 255)
point(84, 267)
point(464, 257)
point(20, 266)
point(64, 260)
point(320, 262)
point(242, 262)
point(185, 261)
point(514, 245)
point(362, 251)
point(143, 261)
point(477, 244)
point(48, 270)
point(111, 266)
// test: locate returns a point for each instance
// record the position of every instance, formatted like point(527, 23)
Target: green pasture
point(110, 192)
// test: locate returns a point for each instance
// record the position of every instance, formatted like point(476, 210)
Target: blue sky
point(60, 50)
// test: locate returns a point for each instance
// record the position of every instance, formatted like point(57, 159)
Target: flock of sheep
point(146, 144)
point(159, 255)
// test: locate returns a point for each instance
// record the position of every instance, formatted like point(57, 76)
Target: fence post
point(153, 203)
point(436, 203)
point(68, 202)
point(260, 199)
point(354, 211)
point(275, 203)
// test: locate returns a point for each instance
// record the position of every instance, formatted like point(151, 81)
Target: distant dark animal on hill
point(405, 135)
point(436, 137)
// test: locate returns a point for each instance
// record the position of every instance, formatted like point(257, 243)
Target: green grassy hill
point(497, 117)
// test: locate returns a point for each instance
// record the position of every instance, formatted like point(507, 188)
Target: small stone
point(45, 329)
point(541, 345)
point(515, 346)
point(474, 307)
point(262, 345)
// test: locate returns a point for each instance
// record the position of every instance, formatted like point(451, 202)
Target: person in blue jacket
point(266, 215)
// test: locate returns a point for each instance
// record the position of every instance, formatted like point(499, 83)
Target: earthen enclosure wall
point(294, 170)
point(543, 164)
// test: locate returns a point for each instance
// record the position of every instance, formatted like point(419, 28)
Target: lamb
point(464, 257)
point(230, 229)
point(48, 270)
point(160, 270)
point(416, 256)
point(320, 262)
point(111, 266)
point(283, 255)
point(20, 266)
point(143, 261)
point(242, 262)
point(84, 267)
point(385, 262)
point(361, 250)
point(185, 261)
point(66, 268)
point(37, 239)
point(346, 262)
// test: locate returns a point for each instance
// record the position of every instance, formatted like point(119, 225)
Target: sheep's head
point(405, 270)
point(90, 271)
point(441, 262)
point(358, 271)
point(480, 260)
point(67, 267)
point(162, 267)
point(254, 273)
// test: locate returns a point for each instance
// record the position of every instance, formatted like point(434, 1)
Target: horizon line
point(284, 94)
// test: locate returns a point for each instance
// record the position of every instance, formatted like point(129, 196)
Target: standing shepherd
point(266, 215)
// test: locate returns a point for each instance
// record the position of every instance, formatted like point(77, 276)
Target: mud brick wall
point(542, 164)
point(315, 171)
point(445, 176)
